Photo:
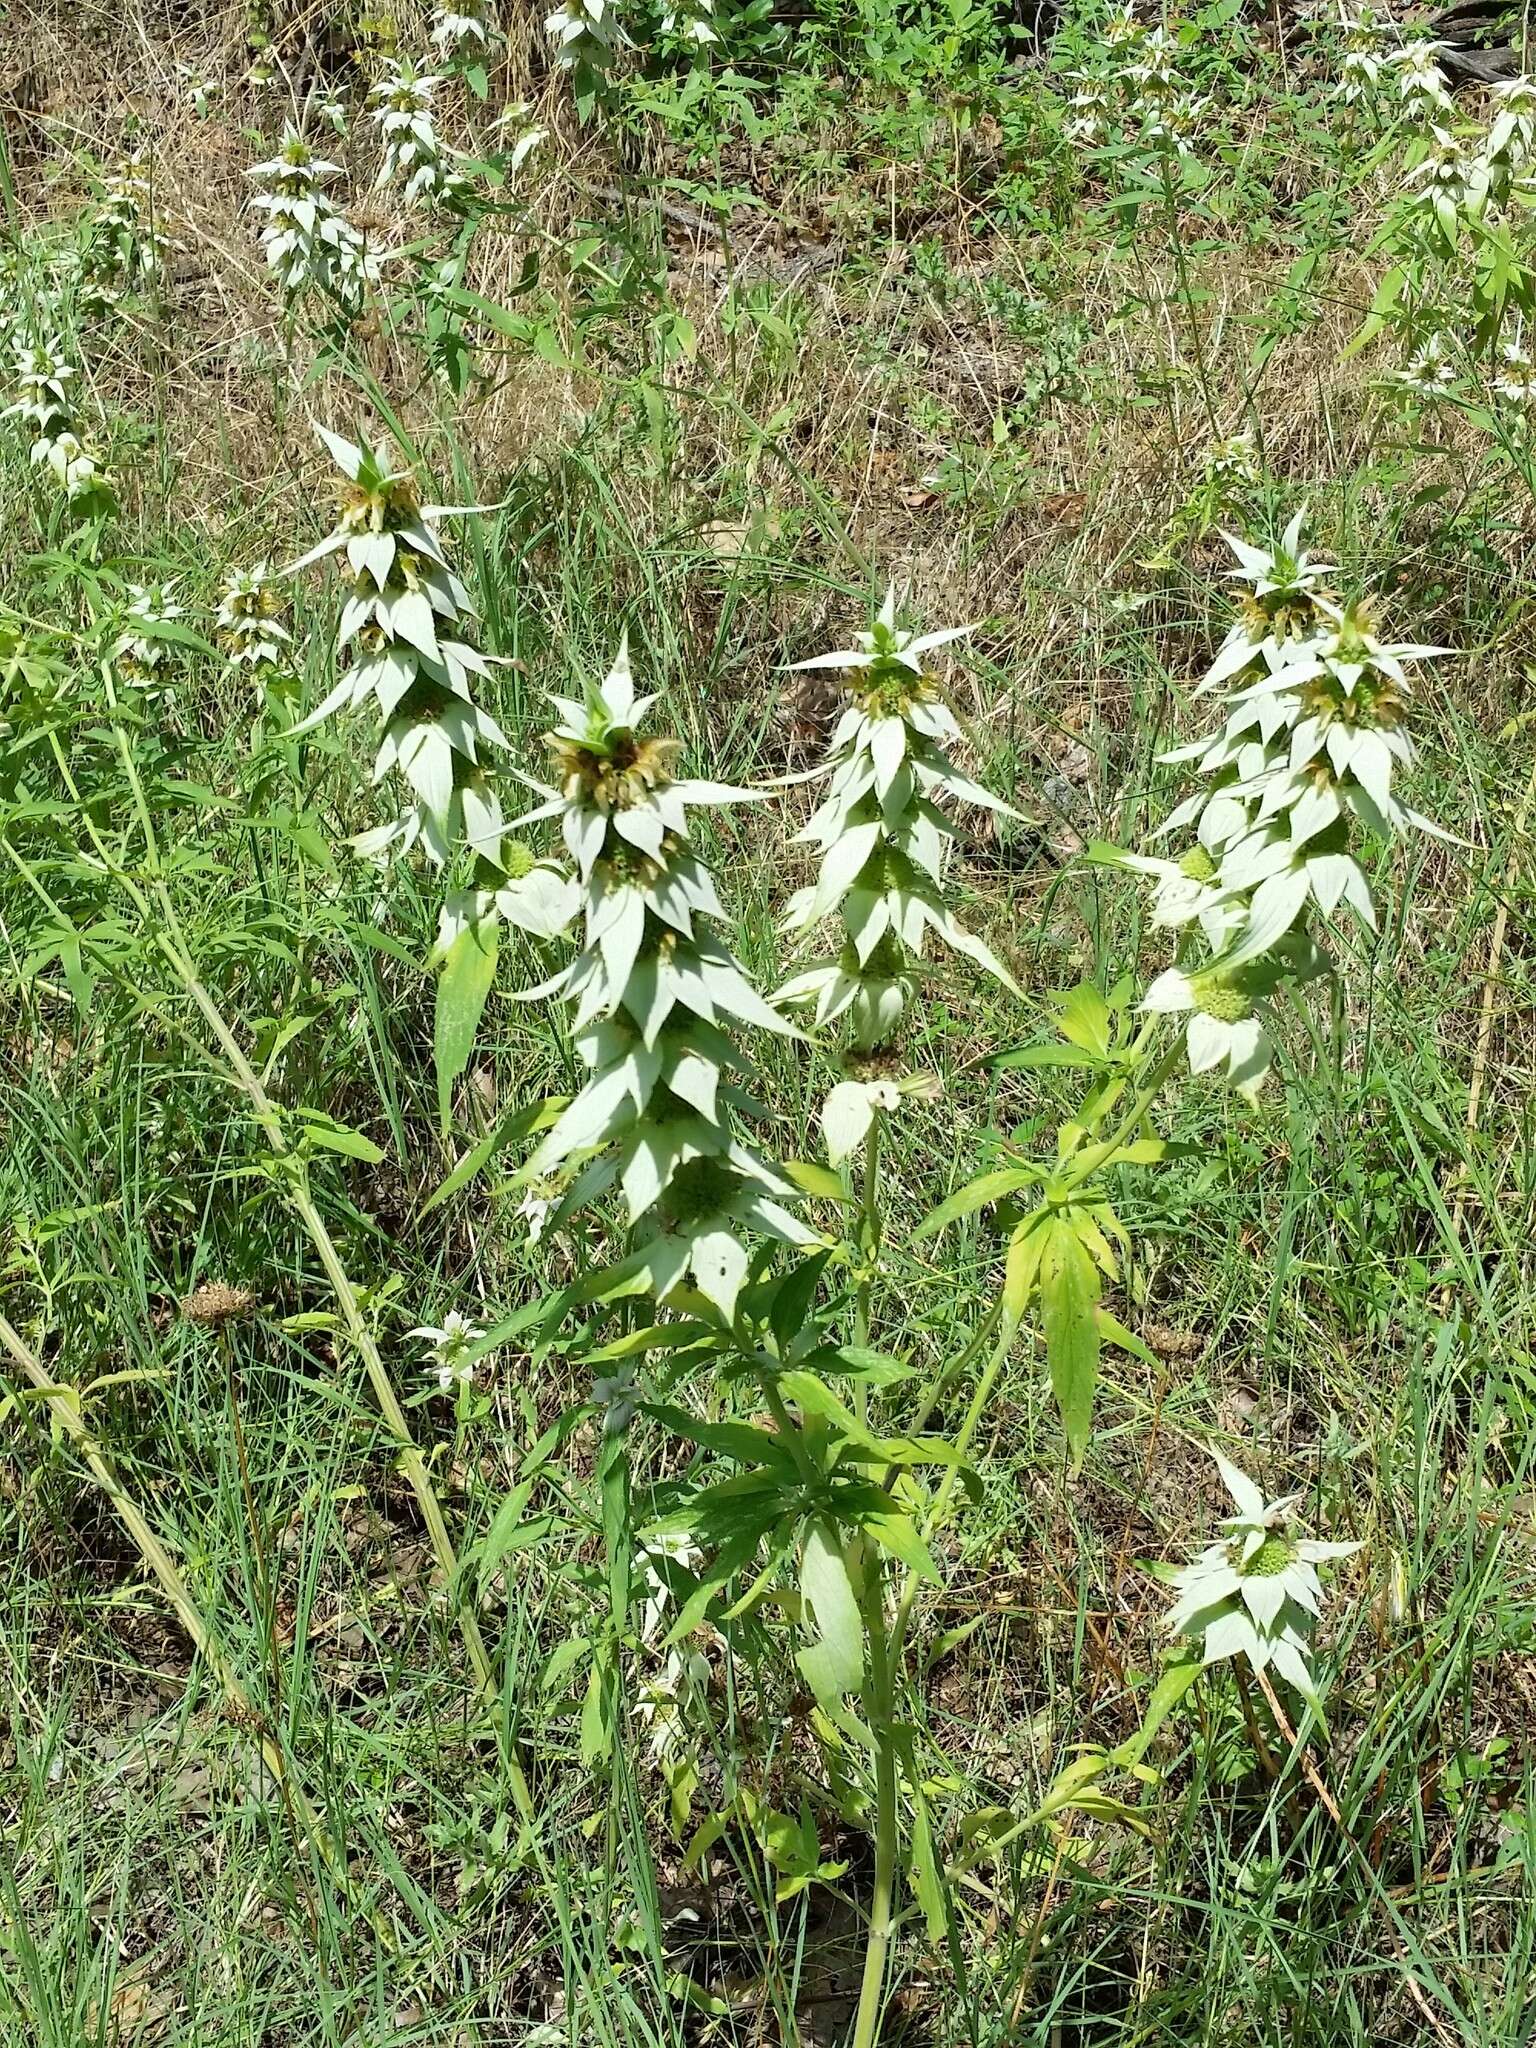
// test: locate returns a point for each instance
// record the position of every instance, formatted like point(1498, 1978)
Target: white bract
point(1446, 185)
point(330, 106)
point(1256, 1594)
point(403, 619)
point(1516, 381)
point(586, 33)
point(459, 25)
point(1234, 462)
point(654, 994)
point(1430, 372)
point(44, 379)
point(1511, 140)
point(308, 243)
point(75, 467)
point(882, 836)
point(200, 91)
point(141, 655)
point(693, 20)
point(1314, 733)
point(668, 1689)
point(511, 127)
point(1088, 121)
point(247, 622)
point(449, 1345)
point(1420, 81)
point(1365, 57)
point(126, 250)
point(401, 105)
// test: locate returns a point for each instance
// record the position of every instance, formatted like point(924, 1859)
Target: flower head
point(1314, 733)
point(405, 620)
point(1256, 1593)
point(307, 242)
point(450, 1346)
point(458, 25)
point(1447, 185)
point(693, 20)
point(141, 654)
point(655, 994)
point(880, 832)
point(247, 622)
point(586, 33)
point(401, 106)
point(1365, 55)
point(1430, 371)
point(127, 250)
point(1420, 81)
point(1516, 381)
point(882, 838)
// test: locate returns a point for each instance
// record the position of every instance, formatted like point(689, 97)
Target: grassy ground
point(880, 322)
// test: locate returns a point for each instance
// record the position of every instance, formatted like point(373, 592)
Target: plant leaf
point(462, 989)
point(1069, 1295)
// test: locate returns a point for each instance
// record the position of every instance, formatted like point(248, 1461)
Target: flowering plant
point(401, 106)
point(1256, 1593)
point(883, 839)
point(308, 243)
point(654, 992)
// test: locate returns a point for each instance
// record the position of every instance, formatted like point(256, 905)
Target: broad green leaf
point(928, 1884)
point(1113, 1332)
point(792, 1299)
point(330, 1136)
point(656, 1337)
point(462, 989)
point(1045, 1056)
point(1082, 1016)
point(814, 1397)
point(1176, 1680)
point(1069, 1295)
point(898, 1534)
point(1026, 1248)
point(876, 1367)
point(743, 1441)
point(976, 1194)
point(812, 1178)
point(834, 1665)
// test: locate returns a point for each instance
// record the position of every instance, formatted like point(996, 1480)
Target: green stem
point(1075, 1174)
point(173, 945)
point(941, 1500)
point(869, 1252)
point(880, 1704)
point(951, 1372)
point(1186, 295)
point(783, 1421)
point(65, 1411)
point(1116, 1088)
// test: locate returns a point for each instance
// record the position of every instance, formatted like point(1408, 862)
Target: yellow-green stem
point(880, 1706)
point(869, 1253)
point(243, 1712)
point(178, 954)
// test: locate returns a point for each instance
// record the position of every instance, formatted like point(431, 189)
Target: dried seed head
point(216, 1303)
